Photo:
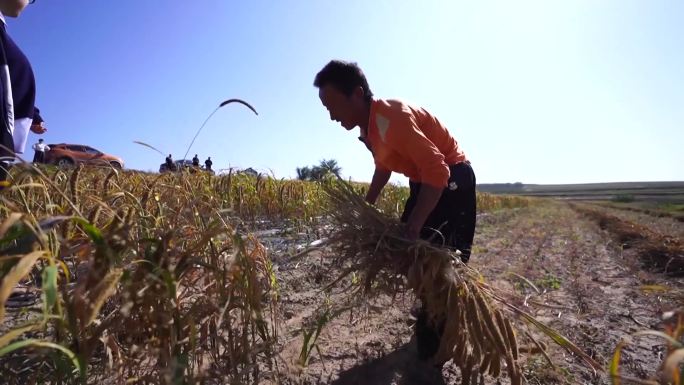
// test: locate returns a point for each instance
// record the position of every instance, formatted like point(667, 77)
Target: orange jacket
point(410, 141)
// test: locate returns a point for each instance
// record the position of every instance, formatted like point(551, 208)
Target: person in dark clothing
point(18, 113)
point(208, 163)
point(170, 166)
point(195, 161)
point(409, 140)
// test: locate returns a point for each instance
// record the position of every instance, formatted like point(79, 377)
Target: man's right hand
point(38, 128)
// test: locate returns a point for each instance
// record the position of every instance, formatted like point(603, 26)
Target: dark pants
point(4, 171)
point(6, 143)
point(39, 157)
point(450, 224)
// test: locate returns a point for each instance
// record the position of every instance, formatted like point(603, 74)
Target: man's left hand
point(38, 128)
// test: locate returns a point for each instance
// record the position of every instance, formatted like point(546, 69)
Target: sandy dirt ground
point(591, 289)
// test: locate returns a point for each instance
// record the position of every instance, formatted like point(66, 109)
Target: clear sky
point(534, 91)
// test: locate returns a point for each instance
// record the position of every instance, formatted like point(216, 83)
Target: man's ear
point(359, 92)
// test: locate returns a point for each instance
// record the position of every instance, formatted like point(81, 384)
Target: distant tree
point(304, 173)
point(325, 168)
point(330, 166)
point(318, 173)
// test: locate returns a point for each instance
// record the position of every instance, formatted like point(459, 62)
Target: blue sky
point(534, 91)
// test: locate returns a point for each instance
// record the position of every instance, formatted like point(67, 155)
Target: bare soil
point(591, 289)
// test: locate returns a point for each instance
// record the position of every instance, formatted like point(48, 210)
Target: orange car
point(65, 155)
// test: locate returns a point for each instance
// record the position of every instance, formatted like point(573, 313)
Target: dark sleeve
point(37, 119)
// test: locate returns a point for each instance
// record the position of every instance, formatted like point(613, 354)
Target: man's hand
point(38, 128)
point(12, 8)
point(380, 179)
point(427, 200)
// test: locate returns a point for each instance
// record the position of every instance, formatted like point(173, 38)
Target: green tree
point(326, 167)
point(330, 166)
point(304, 173)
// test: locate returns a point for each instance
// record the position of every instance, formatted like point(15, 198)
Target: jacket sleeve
point(37, 119)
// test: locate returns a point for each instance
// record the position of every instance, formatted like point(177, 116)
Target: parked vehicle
point(65, 155)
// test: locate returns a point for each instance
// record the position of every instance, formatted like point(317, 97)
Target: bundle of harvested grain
point(479, 333)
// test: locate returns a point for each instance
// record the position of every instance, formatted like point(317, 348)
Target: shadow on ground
point(400, 367)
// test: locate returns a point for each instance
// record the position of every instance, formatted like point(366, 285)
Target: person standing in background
point(39, 154)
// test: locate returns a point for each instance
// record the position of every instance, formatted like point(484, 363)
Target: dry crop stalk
point(368, 243)
point(73, 184)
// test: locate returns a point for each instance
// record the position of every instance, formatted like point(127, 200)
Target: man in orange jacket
point(408, 140)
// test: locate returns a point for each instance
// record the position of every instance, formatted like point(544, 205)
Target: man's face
point(340, 107)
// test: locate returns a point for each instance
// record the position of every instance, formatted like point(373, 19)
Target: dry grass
point(151, 278)
point(143, 278)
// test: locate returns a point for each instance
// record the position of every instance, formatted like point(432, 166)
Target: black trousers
point(452, 222)
point(39, 157)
